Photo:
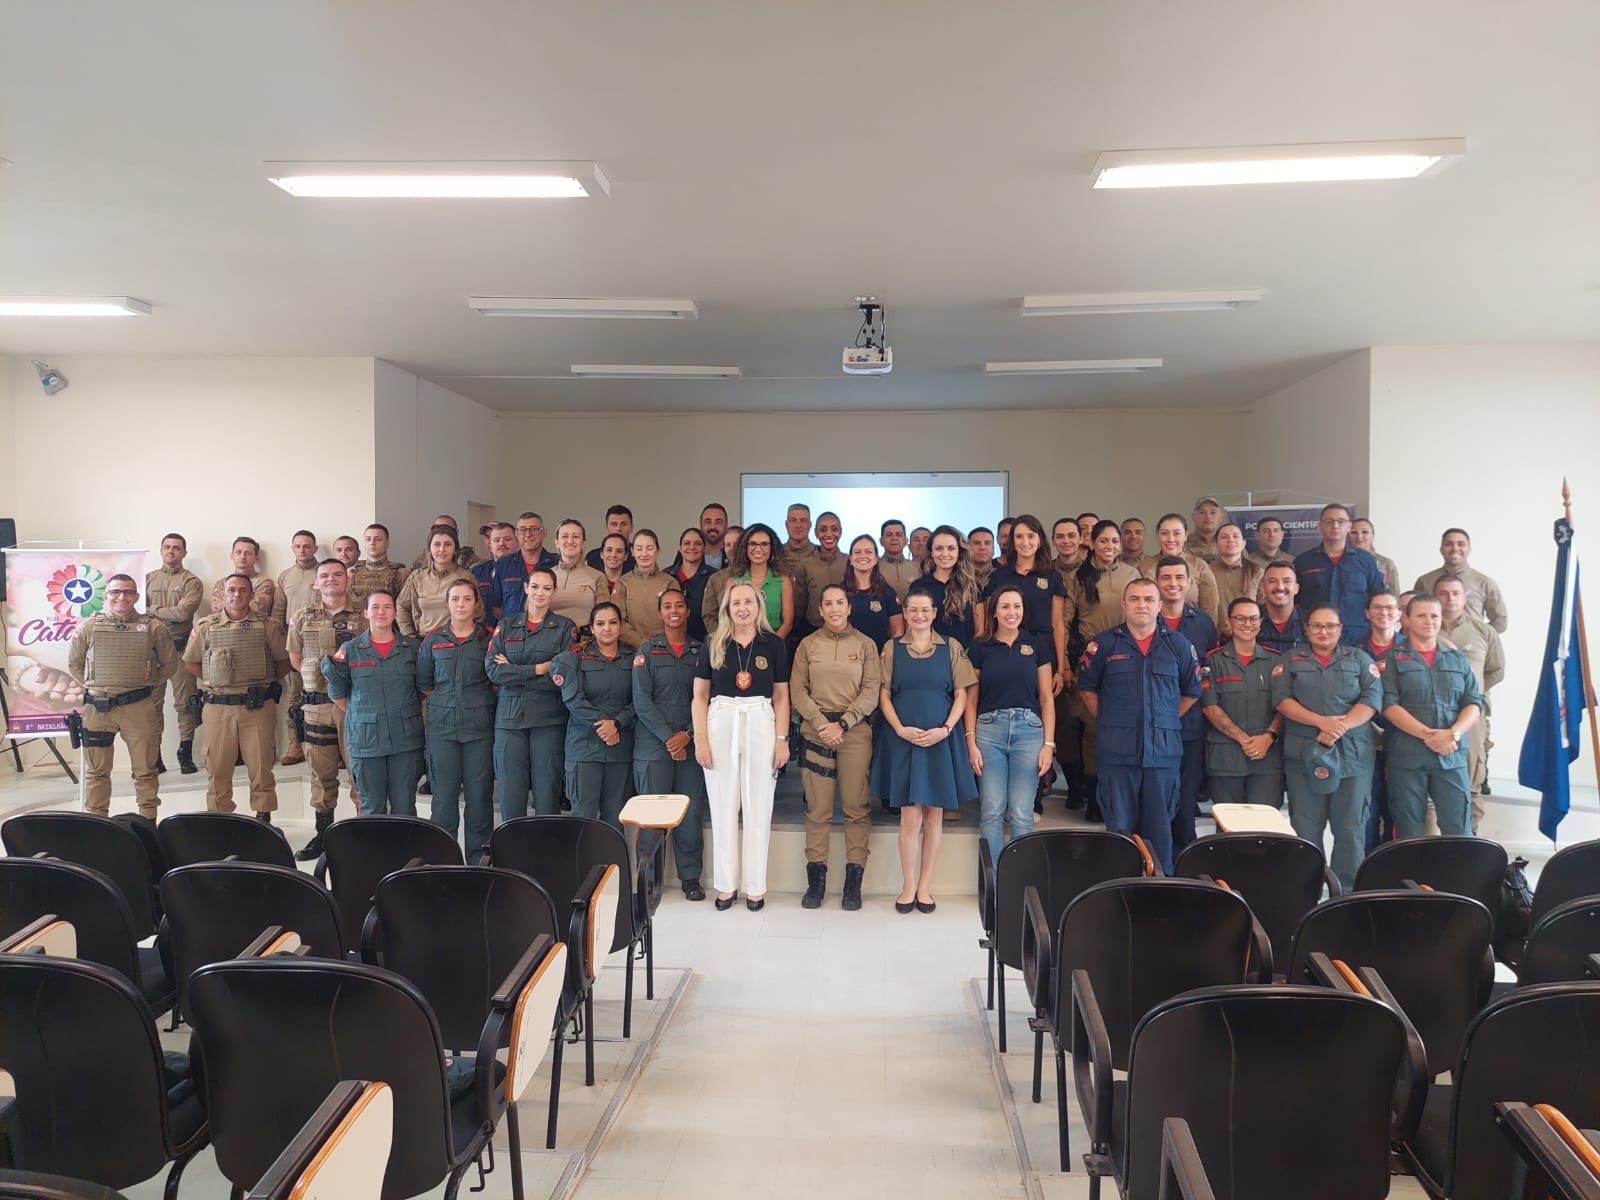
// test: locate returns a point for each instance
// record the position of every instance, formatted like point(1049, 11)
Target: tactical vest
point(366, 579)
point(236, 655)
point(118, 658)
point(322, 632)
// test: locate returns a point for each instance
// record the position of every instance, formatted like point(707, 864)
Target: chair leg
point(1094, 1187)
point(453, 1188)
point(1000, 981)
point(170, 1192)
point(650, 961)
point(1038, 1063)
point(991, 978)
point(555, 1088)
point(514, 1142)
point(1061, 1108)
point(627, 998)
point(588, 1038)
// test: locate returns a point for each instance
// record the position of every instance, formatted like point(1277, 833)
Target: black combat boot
point(816, 885)
point(1075, 786)
point(852, 886)
point(264, 817)
point(186, 757)
point(1091, 789)
point(161, 767)
point(313, 848)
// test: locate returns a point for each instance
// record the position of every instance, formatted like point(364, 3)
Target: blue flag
point(1551, 743)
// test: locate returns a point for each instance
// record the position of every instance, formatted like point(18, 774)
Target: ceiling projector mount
point(871, 354)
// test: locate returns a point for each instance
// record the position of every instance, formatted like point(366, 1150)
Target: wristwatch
point(845, 723)
point(1273, 734)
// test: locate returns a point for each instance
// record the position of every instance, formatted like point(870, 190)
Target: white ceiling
point(772, 160)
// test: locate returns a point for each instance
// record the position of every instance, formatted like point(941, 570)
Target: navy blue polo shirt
point(1281, 639)
point(1138, 691)
point(511, 577)
point(1346, 584)
point(1038, 587)
point(1202, 634)
point(870, 614)
point(1008, 676)
point(960, 629)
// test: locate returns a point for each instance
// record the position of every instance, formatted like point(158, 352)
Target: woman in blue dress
point(921, 767)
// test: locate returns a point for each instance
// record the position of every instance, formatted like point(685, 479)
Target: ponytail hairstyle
point(1088, 573)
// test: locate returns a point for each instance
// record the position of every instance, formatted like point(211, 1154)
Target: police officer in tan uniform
point(980, 542)
point(1172, 531)
point(1068, 543)
point(238, 658)
point(1269, 544)
point(1477, 639)
point(377, 571)
point(898, 571)
point(466, 557)
point(245, 552)
point(423, 604)
point(172, 595)
point(826, 566)
point(118, 655)
point(1236, 574)
point(317, 630)
point(296, 586)
point(1132, 553)
point(1208, 518)
point(579, 587)
point(639, 591)
point(1362, 531)
point(347, 550)
point(1484, 598)
point(791, 559)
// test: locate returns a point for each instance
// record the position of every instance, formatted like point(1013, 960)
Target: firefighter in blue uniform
point(530, 721)
point(1178, 615)
point(1138, 679)
point(1337, 573)
point(596, 685)
point(663, 757)
point(1430, 701)
point(373, 679)
point(460, 742)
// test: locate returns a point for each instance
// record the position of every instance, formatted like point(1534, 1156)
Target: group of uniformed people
point(1153, 681)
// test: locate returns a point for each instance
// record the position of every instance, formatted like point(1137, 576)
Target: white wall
point(434, 453)
point(208, 447)
point(1311, 436)
point(665, 467)
point(1480, 437)
point(8, 439)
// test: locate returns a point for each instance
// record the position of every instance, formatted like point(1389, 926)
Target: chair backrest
point(215, 909)
point(559, 852)
point(80, 1046)
point(26, 1185)
point(1571, 874)
point(339, 1152)
point(277, 1034)
point(455, 933)
point(200, 837)
point(1286, 1091)
point(1466, 866)
point(1432, 949)
point(99, 843)
point(1280, 877)
point(361, 850)
point(1061, 864)
point(84, 898)
point(1558, 950)
point(1537, 1045)
point(1143, 941)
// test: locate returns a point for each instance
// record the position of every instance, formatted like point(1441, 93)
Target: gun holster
point(75, 729)
point(197, 706)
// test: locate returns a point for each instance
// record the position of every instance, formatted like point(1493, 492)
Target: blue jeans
point(1009, 740)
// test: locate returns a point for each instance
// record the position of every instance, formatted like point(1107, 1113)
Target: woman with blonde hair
point(741, 725)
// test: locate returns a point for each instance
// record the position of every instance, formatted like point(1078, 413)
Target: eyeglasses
point(122, 592)
point(1325, 627)
point(530, 529)
point(758, 545)
point(1256, 620)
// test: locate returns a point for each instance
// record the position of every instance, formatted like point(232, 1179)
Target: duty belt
point(252, 699)
point(817, 758)
point(315, 698)
point(104, 704)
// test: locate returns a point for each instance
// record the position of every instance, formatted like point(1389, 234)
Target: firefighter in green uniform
point(460, 744)
point(1430, 701)
point(373, 678)
point(597, 687)
point(530, 721)
point(1244, 763)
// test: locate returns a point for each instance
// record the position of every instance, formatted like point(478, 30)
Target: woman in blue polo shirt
point(1006, 726)
point(1043, 594)
point(874, 607)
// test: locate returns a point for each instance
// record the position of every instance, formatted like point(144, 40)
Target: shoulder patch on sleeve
point(638, 660)
point(1092, 648)
point(557, 679)
point(338, 655)
point(1374, 669)
point(1277, 670)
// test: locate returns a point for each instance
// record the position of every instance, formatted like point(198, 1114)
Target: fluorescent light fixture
point(1327, 163)
point(649, 371)
point(1074, 366)
point(77, 306)
point(1079, 303)
point(622, 310)
point(441, 180)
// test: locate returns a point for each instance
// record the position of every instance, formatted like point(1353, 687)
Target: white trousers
point(740, 781)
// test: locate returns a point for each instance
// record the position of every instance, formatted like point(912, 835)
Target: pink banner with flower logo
point(49, 593)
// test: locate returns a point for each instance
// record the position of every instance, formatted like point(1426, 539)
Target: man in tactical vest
point(314, 631)
point(119, 655)
point(239, 657)
point(377, 572)
point(172, 595)
point(245, 553)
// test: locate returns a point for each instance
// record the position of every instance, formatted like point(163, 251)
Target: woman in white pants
point(741, 701)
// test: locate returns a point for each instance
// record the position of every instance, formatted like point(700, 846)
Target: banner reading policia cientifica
point(49, 593)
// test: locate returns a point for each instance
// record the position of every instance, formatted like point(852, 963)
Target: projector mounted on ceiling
point(871, 354)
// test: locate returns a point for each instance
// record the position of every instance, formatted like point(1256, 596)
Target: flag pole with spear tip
point(1583, 653)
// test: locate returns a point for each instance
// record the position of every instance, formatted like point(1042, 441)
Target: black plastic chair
point(28, 1185)
point(560, 852)
point(100, 843)
point(1561, 945)
point(1255, 1093)
point(1466, 866)
point(1571, 874)
point(1121, 948)
point(215, 909)
point(1431, 948)
point(201, 837)
point(98, 911)
point(1061, 864)
point(1557, 1158)
point(455, 932)
point(359, 851)
point(1281, 877)
point(277, 1034)
point(96, 1096)
point(356, 1120)
point(1538, 1045)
